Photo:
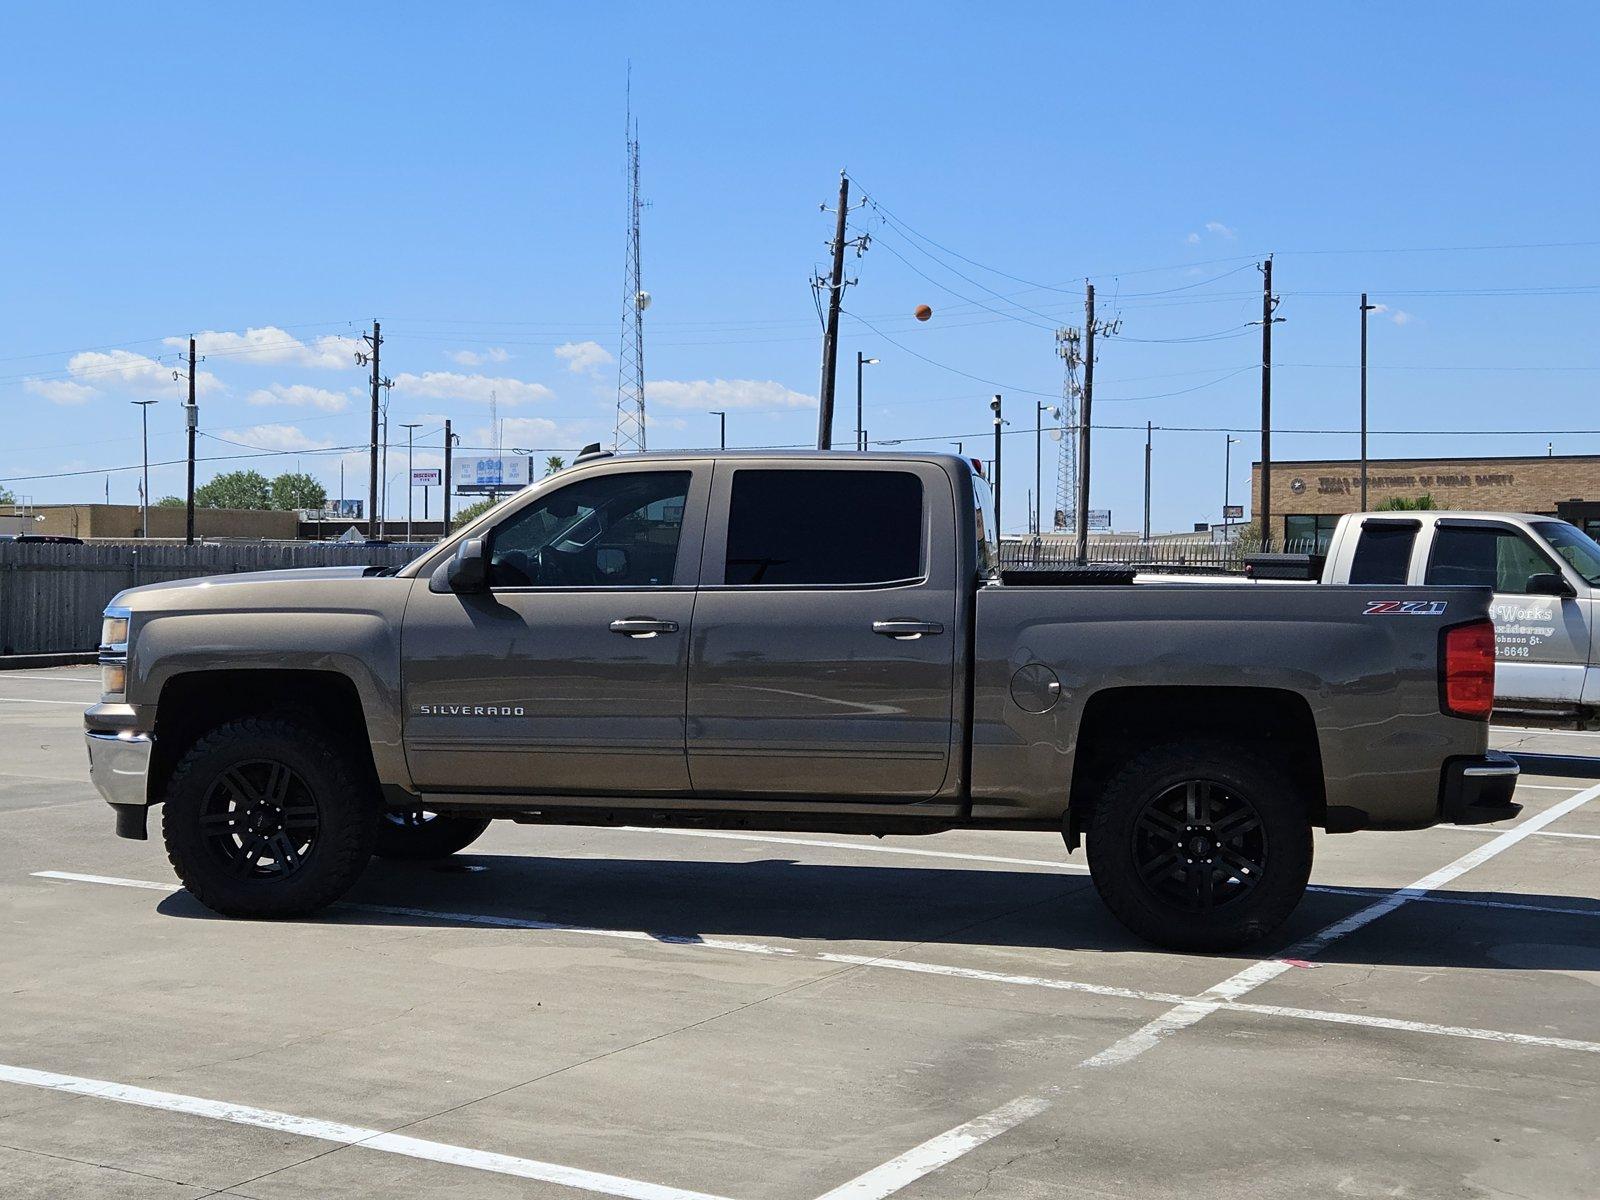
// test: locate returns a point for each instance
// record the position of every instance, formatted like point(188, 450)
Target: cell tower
point(630, 358)
point(1068, 347)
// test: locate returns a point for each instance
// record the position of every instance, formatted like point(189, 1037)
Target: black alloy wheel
point(1199, 845)
point(260, 820)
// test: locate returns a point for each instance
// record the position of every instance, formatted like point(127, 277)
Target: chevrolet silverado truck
point(786, 641)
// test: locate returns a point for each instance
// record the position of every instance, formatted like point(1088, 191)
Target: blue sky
point(296, 170)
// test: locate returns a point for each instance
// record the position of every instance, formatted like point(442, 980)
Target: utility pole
point(1084, 418)
point(144, 422)
point(374, 340)
point(191, 412)
point(410, 429)
point(449, 442)
point(994, 406)
point(861, 430)
point(830, 338)
point(722, 429)
point(1269, 303)
point(1365, 309)
point(1148, 427)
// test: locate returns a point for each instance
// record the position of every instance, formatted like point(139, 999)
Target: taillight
point(1466, 671)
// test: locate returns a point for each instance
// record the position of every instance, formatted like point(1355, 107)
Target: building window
point(1304, 533)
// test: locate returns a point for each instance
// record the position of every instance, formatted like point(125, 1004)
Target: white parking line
point(49, 678)
point(349, 1135)
point(30, 700)
point(1054, 864)
point(934, 1153)
point(1267, 970)
point(1522, 732)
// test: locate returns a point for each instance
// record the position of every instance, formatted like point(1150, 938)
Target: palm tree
point(553, 464)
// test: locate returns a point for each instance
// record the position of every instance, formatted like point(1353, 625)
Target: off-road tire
point(328, 778)
point(1114, 847)
point(438, 836)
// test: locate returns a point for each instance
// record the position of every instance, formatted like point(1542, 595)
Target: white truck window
point(1477, 556)
point(1383, 552)
point(1571, 543)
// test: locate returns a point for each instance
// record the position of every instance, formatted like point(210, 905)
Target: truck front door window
point(616, 530)
point(824, 527)
point(1501, 559)
point(1580, 550)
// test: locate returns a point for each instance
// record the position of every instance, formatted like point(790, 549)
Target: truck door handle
point(642, 627)
point(906, 631)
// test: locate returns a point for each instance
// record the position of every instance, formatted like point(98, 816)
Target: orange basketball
point(922, 312)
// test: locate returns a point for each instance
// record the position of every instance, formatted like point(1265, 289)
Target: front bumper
point(119, 764)
point(1476, 791)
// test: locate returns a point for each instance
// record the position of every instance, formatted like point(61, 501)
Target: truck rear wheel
point(267, 817)
point(1200, 846)
point(421, 833)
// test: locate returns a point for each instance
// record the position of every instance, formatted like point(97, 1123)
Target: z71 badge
point(1405, 608)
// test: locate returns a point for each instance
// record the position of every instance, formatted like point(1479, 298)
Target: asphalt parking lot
point(672, 1015)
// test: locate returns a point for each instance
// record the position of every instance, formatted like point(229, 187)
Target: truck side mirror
point(466, 572)
point(1548, 583)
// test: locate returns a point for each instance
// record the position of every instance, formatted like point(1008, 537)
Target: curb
point(65, 658)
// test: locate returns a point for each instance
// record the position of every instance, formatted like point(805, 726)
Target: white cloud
point(448, 385)
point(299, 395)
point(1397, 315)
point(584, 358)
point(60, 391)
point(269, 344)
point(474, 358)
point(280, 437)
point(724, 393)
point(134, 370)
point(1193, 239)
point(1221, 230)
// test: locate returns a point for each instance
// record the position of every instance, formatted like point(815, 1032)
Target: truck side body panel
point(1370, 681)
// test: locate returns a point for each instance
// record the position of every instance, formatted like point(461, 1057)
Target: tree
point(1422, 503)
point(235, 489)
point(7, 496)
point(171, 502)
point(298, 490)
point(471, 513)
point(554, 463)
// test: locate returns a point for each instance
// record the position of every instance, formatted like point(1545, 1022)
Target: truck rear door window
point(1501, 559)
point(1383, 554)
point(824, 527)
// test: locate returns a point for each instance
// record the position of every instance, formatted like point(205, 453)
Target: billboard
point(1233, 512)
point(426, 478)
point(1100, 520)
point(503, 473)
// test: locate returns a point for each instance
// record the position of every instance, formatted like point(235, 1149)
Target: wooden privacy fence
point(52, 595)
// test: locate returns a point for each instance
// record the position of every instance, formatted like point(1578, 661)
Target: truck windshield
point(1581, 551)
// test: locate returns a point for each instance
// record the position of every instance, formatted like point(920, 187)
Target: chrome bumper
point(119, 764)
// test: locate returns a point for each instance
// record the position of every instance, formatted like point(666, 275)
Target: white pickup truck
point(1546, 579)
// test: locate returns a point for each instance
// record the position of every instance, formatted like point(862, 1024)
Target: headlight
point(114, 632)
point(114, 655)
point(113, 679)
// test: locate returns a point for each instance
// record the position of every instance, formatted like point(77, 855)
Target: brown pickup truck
point(811, 641)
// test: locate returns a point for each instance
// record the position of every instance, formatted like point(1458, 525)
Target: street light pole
point(861, 430)
point(144, 422)
point(1365, 309)
point(1227, 479)
point(722, 429)
point(410, 491)
point(994, 406)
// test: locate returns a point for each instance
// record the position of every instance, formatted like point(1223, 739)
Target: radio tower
point(1067, 346)
point(630, 359)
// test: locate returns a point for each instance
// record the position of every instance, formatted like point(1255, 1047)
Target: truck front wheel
point(267, 817)
point(421, 834)
point(1200, 846)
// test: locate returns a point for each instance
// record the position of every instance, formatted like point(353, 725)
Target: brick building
point(1310, 495)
